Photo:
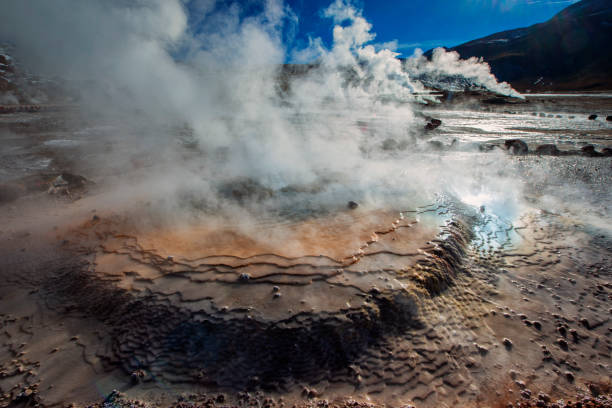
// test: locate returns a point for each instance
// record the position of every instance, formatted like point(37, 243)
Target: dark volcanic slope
point(571, 51)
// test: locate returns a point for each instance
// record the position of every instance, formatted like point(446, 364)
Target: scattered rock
point(574, 335)
point(544, 397)
point(137, 376)
point(454, 380)
point(537, 325)
point(66, 183)
point(562, 331)
point(585, 323)
point(562, 343)
point(433, 124)
point(547, 149)
point(594, 389)
point(481, 349)
point(516, 146)
point(589, 151)
point(352, 205)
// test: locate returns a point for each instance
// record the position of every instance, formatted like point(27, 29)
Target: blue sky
point(402, 24)
point(429, 23)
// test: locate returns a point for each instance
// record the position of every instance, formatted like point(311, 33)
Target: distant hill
point(571, 51)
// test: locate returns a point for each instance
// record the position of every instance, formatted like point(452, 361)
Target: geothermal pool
point(460, 274)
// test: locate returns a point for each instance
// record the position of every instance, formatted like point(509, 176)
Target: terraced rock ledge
point(262, 321)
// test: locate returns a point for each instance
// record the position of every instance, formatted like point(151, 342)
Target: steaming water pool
point(274, 282)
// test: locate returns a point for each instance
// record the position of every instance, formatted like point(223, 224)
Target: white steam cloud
point(447, 70)
point(215, 75)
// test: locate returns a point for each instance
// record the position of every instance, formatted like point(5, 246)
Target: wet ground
point(462, 297)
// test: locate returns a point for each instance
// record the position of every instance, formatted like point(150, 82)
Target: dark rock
point(589, 151)
point(537, 325)
point(609, 118)
point(544, 397)
point(569, 376)
point(433, 124)
point(594, 389)
point(562, 343)
point(244, 277)
point(606, 151)
point(507, 343)
point(137, 376)
point(352, 205)
point(585, 323)
point(548, 149)
point(312, 393)
point(592, 117)
point(574, 335)
point(497, 100)
point(516, 146)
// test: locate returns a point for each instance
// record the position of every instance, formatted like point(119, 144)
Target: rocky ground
point(436, 304)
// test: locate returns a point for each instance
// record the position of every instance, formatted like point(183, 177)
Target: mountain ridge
point(570, 51)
